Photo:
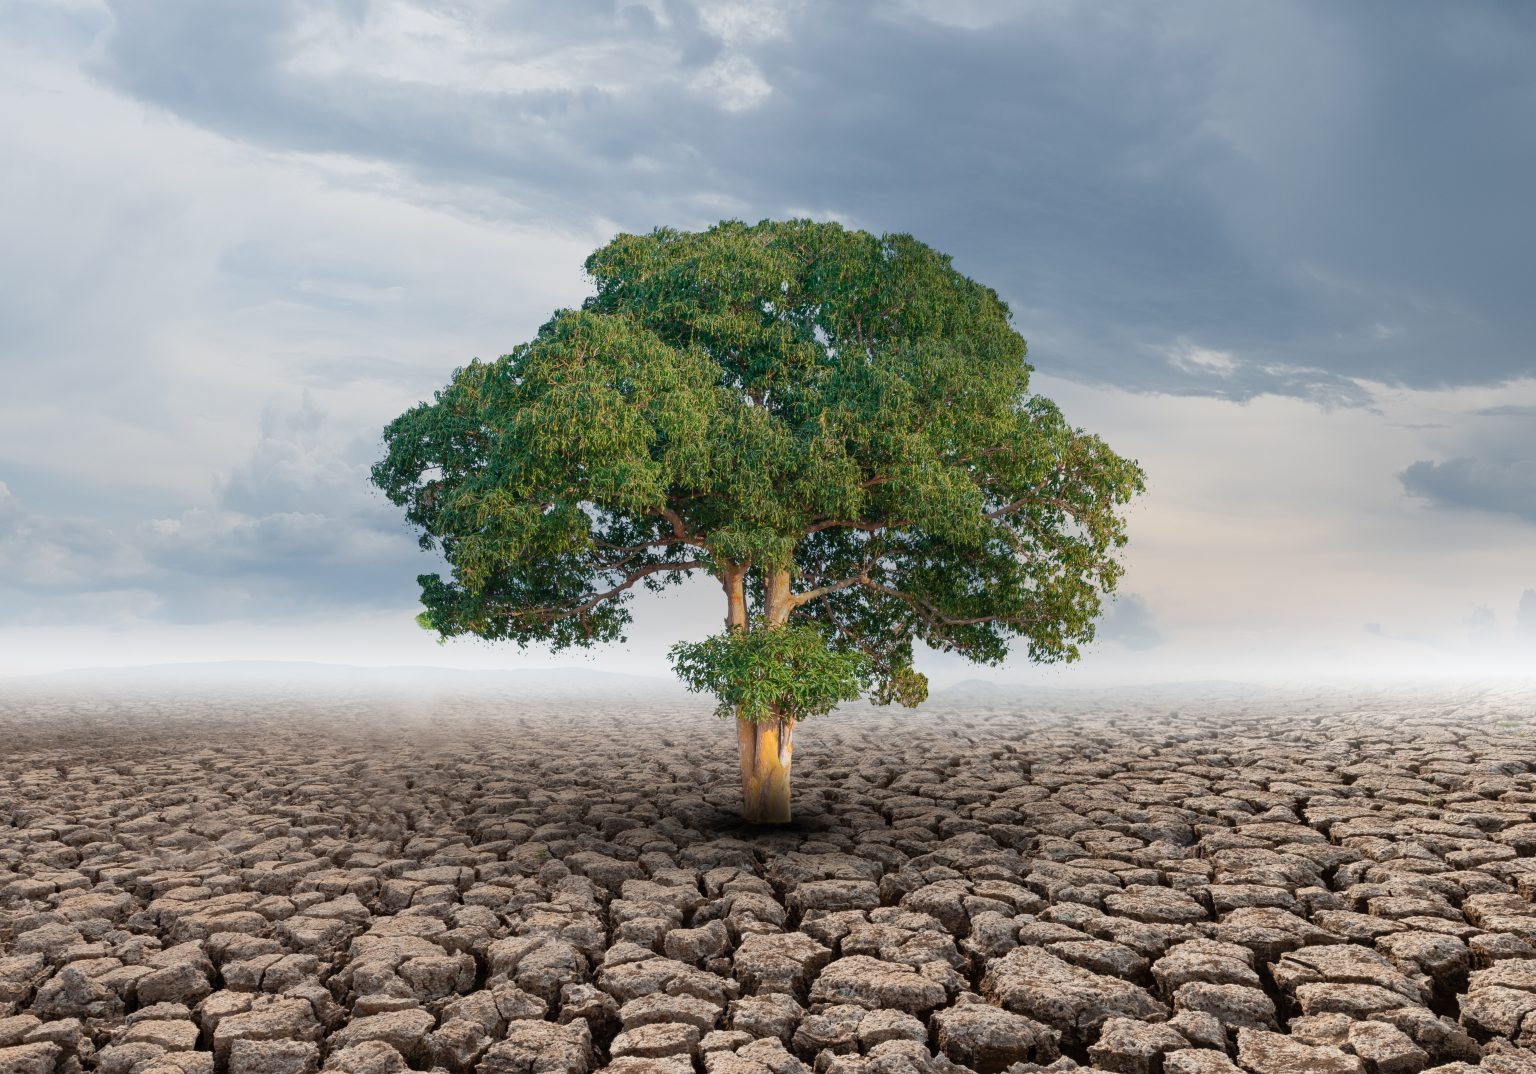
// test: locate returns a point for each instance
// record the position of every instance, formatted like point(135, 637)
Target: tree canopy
point(837, 421)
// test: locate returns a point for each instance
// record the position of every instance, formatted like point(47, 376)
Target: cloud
point(294, 531)
point(48, 555)
point(1483, 626)
point(298, 466)
point(1476, 639)
point(1129, 622)
point(734, 82)
point(1525, 615)
point(1502, 486)
point(1124, 175)
point(1192, 358)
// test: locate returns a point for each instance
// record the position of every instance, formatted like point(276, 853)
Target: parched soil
point(276, 884)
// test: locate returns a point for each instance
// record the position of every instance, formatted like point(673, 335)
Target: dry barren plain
point(270, 881)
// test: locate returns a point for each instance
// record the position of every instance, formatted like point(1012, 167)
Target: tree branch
point(857, 639)
point(882, 479)
point(932, 615)
point(679, 528)
point(580, 611)
point(680, 535)
point(626, 551)
point(800, 599)
point(867, 527)
point(1034, 496)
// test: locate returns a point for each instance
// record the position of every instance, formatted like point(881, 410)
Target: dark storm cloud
point(1320, 191)
point(1503, 486)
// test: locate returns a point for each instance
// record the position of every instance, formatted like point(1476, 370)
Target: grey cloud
point(294, 469)
point(1288, 184)
point(294, 531)
point(1129, 621)
point(45, 555)
point(1483, 626)
point(1499, 485)
point(1525, 615)
point(219, 567)
point(297, 528)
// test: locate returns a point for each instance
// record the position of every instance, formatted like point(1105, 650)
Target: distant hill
point(988, 691)
point(347, 678)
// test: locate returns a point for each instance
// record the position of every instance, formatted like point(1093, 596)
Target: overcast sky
point(1282, 254)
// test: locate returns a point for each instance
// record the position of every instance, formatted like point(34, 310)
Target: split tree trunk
point(766, 751)
point(766, 748)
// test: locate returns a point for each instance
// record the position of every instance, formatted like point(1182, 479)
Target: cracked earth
point(279, 884)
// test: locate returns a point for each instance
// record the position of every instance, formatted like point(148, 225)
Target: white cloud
point(733, 82)
point(1190, 357)
point(465, 48)
point(295, 530)
point(44, 555)
point(737, 23)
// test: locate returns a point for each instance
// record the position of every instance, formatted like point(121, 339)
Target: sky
point(1280, 254)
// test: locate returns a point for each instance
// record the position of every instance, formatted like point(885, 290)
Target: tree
point(834, 426)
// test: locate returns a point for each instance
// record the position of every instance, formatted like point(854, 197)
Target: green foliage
point(424, 620)
point(902, 684)
point(785, 396)
point(762, 674)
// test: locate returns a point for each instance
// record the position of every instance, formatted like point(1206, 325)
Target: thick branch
point(801, 599)
point(679, 529)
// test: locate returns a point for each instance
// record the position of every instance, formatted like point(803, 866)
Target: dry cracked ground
point(277, 884)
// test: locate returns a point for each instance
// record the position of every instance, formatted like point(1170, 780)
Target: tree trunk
point(766, 751)
point(733, 579)
point(767, 747)
point(778, 601)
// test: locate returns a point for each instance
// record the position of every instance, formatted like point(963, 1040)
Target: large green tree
point(835, 426)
